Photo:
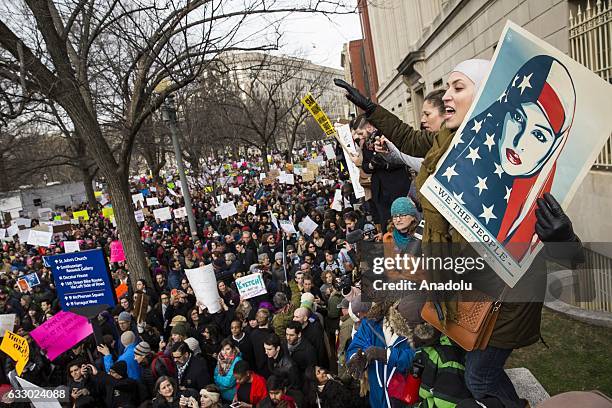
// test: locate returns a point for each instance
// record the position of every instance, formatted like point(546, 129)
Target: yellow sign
point(108, 212)
point(17, 348)
point(97, 194)
point(208, 189)
point(81, 214)
point(315, 110)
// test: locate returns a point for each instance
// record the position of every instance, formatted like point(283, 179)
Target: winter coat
point(518, 323)
point(196, 374)
point(123, 393)
point(258, 389)
point(399, 359)
point(127, 356)
point(284, 367)
point(227, 382)
point(304, 356)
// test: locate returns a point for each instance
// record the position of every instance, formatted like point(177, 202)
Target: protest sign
point(81, 214)
point(116, 252)
point(61, 332)
point(329, 152)
point(139, 215)
point(97, 194)
point(307, 225)
point(104, 200)
point(44, 213)
point(317, 113)
point(289, 179)
point(252, 209)
point(204, 285)
point(17, 348)
point(346, 139)
point(49, 401)
point(171, 185)
point(535, 127)
point(234, 190)
point(71, 246)
point(24, 235)
point(82, 280)
point(168, 200)
point(141, 303)
point(29, 281)
point(61, 226)
point(2, 233)
point(250, 286)
point(40, 238)
point(12, 230)
point(274, 220)
point(138, 198)
point(23, 222)
point(287, 226)
point(180, 212)
point(162, 214)
point(153, 189)
point(108, 212)
point(121, 290)
point(172, 192)
point(337, 202)
point(151, 201)
point(227, 210)
point(7, 322)
point(307, 176)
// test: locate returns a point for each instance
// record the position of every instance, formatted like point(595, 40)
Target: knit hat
point(403, 206)
point(142, 349)
point(474, 69)
point(120, 367)
point(307, 301)
point(180, 329)
point(127, 338)
point(178, 319)
point(194, 346)
point(125, 317)
point(278, 256)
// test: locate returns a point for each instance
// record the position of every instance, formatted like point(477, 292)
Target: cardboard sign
point(7, 322)
point(71, 246)
point(17, 348)
point(180, 212)
point(116, 252)
point(139, 215)
point(162, 214)
point(226, 210)
point(12, 230)
point(60, 333)
point(138, 198)
point(204, 285)
point(141, 303)
point(251, 285)
point(151, 201)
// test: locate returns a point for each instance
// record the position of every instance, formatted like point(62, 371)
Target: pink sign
point(116, 252)
point(60, 333)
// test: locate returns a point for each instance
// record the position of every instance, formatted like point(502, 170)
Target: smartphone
point(236, 404)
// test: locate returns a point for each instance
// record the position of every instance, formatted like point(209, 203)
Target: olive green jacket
point(518, 324)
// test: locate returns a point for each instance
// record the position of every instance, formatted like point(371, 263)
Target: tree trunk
point(89, 190)
point(264, 154)
point(117, 181)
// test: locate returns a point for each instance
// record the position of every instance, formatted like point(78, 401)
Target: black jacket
point(304, 355)
point(257, 337)
point(196, 374)
point(283, 366)
point(314, 334)
point(246, 349)
point(123, 393)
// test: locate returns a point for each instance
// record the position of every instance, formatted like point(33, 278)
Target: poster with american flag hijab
point(537, 125)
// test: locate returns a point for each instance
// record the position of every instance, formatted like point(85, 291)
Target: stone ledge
point(527, 386)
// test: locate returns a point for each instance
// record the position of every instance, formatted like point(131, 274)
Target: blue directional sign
point(82, 280)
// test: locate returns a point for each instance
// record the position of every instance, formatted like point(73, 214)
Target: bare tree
point(101, 61)
point(152, 143)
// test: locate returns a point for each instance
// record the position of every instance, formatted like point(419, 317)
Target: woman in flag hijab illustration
point(514, 144)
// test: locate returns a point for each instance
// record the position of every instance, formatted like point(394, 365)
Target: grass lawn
point(579, 358)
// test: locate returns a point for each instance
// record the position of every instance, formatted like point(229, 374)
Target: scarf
point(291, 347)
point(225, 363)
point(401, 240)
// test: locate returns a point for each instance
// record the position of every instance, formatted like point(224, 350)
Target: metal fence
point(590, 36)
point(594, 291)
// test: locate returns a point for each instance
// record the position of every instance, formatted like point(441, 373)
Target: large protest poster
point(116, 251)
point(7, 322)
point(40, 238)
point(346, 139)
point(536, 126)
point(61, 332)
point(250, 286)
point(204, 284)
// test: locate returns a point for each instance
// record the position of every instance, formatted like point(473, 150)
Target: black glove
point(378, 162)
point(357, 364)
point(376, 353)
point(552, 225)
point(345, 283)
point(356, 97)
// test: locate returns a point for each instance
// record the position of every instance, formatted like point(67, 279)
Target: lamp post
point(169, 116)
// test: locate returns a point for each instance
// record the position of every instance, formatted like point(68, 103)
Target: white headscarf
point(474, 69)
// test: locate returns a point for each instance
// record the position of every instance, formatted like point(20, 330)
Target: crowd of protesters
point(309, 341)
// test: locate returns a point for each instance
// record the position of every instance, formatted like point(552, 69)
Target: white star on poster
point(525, 82)
point(489, 142)
point(473, 155)
point(498, 170)
point(459, 197)
point(477, 126)
point(507, 196)
point(481, 185)
point(450, 172)
point(487, 213)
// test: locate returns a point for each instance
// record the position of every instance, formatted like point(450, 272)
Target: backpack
point(442, 379)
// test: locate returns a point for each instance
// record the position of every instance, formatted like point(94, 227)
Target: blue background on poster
point(82, 279)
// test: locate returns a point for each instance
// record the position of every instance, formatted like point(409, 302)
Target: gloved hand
point(376, 353)
point(356, 97)
point(378, 162)
point(345, 283)
point(357, 364)
point(552, 225)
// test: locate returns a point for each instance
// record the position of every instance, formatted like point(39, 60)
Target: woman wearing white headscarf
point(518, 324)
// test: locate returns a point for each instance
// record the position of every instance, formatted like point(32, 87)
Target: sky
point(319, 38)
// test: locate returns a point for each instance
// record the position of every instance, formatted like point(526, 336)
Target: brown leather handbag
point(472, 327)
